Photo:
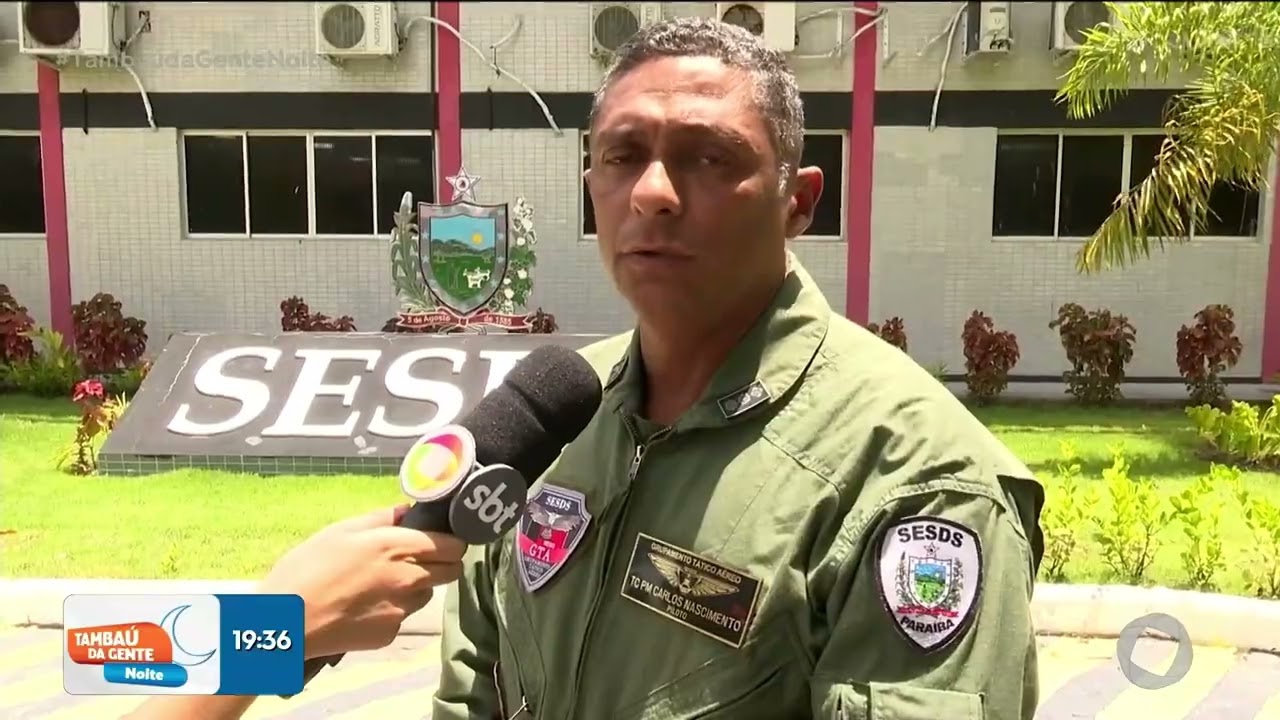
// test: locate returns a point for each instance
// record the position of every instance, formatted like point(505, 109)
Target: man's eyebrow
point(726, 134)
point(720, 132)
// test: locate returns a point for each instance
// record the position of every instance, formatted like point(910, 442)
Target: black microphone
point(471, 480)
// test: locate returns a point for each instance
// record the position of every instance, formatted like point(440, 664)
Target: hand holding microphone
point(471, 480)
point(361, 577)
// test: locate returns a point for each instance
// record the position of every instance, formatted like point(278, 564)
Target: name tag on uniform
point(692, 590)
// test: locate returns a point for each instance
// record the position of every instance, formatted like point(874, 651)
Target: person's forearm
point(203, 707)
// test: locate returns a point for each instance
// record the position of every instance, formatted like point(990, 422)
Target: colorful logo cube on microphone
point(438, 463)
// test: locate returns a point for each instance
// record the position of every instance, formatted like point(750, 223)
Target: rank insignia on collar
point(743, 399)
point(553, 523)
point(616, 372)
point(930, 577)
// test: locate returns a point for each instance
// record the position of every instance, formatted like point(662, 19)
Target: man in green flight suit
point(774, 514)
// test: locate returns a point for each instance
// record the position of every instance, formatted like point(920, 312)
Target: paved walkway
point(1079, 679)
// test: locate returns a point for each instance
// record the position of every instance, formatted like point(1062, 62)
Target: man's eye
point(712, 159)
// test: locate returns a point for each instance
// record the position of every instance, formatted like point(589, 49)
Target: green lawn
point(217, 525)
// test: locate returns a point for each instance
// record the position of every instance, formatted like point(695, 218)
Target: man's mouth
point(658, 253)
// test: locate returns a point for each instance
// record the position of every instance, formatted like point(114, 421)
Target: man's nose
point(654, 193)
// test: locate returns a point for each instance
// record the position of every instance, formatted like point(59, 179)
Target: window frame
point(309, 137)
point(582, 151)
point(28, 235)
point(1126, 165)
point(844, 188)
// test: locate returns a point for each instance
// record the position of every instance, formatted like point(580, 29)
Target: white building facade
point(226, 165)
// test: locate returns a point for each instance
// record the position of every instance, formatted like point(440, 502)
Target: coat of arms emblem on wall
point(463, 264)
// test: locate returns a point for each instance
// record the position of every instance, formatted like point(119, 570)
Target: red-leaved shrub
point(543, 323)
point(989, 355)
point(15, 322)
point(894, 332)
point(98, 415)
point(1099, 345)
point(1205, 350)
point(107, 341)
point(295, 316)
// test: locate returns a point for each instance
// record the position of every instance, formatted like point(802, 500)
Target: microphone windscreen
point(543, 404)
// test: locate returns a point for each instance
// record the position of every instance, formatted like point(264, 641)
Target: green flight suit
point(759, 558)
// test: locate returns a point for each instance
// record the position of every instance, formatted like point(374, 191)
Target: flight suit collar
point(759, 371)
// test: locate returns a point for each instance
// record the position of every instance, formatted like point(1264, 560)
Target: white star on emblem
point(464, 185)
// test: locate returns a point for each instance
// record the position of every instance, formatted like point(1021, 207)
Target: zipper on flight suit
point(641, 449)
point(502, 694)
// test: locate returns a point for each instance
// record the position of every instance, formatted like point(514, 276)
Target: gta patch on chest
point(550, 529)
point(692, 590)
point(930, 575)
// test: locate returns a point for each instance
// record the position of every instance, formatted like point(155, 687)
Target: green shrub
point(1262, 555)
point(1128, 534)
point(1068, 506)
point(52, 371)
point(1246, 435)
point(1199, 515)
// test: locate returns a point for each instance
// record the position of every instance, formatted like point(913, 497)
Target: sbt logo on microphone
point(489, 504)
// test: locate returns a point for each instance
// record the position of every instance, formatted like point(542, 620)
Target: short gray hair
point(776, 93)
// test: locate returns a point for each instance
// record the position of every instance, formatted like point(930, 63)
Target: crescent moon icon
point(170, 625)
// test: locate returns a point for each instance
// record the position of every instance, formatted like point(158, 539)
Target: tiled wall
point(933, 262)
point(549, 44)
point(242, 46)
point(915, 63)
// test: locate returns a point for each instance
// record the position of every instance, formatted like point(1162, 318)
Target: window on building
point(588, 210)
point(21, 186)
point(331, 184)
point(824, 150)
point(1065, 186)
point(1233, 211)
point(827, 151)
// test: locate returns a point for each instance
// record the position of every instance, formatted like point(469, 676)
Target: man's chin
point(664, 302)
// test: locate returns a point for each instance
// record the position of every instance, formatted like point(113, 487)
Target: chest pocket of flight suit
point(760, 680)
point(885, 701)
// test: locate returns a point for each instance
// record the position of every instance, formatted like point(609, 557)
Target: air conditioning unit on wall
point(71, 29)
point(356, 29)
point(1072, 19)
point(612, 24)
point(774, 22)
point(987, 28)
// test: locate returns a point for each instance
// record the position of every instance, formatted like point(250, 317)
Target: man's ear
point(806, 190)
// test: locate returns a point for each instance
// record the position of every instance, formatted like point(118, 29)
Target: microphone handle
point(427, 517)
